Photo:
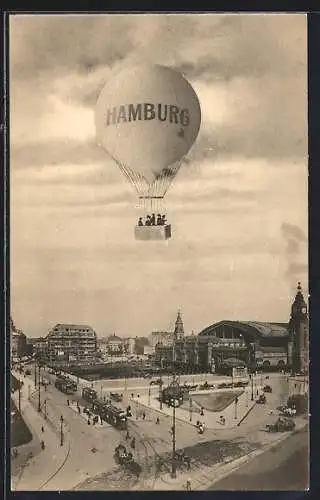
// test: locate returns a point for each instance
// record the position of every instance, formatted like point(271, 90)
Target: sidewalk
point(47, 461)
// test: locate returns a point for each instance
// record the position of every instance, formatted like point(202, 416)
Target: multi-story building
point(161, 337)
point(115, 345)
point(18, 341)
point(72, 344)
point(39, 347)
point(255, 344)
point(129, 346)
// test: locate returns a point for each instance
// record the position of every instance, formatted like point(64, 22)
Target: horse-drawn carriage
point(125, 458)
point(282, 424)
point(122, 456)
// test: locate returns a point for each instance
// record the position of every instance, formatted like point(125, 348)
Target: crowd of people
point(152, 220)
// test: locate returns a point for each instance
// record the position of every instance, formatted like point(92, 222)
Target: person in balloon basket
point(161, 220)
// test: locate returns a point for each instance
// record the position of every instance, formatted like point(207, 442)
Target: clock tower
point(298, 345)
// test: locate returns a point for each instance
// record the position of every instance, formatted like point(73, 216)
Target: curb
point(246, 414)
point(235, 464)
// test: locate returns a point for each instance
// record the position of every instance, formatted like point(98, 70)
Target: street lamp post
point(39, 395)
point(160, 392)
point(45, 409)
point(190, 408)
point(175, 386)
point(61, 430)
point(19, 396)
point(35, 373)
point(235, 408)
point(149, 395)
point(252, 386)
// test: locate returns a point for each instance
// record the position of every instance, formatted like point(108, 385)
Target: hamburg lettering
point(148, 111)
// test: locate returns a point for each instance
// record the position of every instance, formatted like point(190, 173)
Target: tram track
point(144, 442)
point(52, 476)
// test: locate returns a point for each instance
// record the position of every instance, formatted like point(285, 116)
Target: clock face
point(304, 310)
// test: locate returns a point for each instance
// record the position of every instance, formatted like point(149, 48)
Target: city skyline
point(238, 208)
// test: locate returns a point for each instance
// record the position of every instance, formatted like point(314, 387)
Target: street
point(89, 462)
point(283, 467)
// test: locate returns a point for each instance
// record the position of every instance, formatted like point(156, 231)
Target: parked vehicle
point(267, 388)
point(116, 397)
point(206, 386)
point(240, 384)
point(281, 425)
point(158, 381)
point(261, 399)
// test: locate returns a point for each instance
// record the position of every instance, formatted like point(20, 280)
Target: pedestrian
point(42, 445)
point(42, 428)
point(132, 395)
point(143, 416)
point(158, 421)
point(201, 411)
point(68, 402)
point(188, 485)
point(127, 435)
point(89, 421)
point(133, 443)
point(138, 395)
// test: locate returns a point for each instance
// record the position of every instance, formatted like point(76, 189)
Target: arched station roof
point(253, 329)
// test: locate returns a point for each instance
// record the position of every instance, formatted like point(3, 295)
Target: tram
point(111, 414)
point(66, 386)
point(89, 394)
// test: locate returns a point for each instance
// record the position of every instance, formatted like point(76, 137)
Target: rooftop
point(260, 329)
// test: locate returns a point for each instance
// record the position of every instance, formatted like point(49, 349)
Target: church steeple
point(178, 328)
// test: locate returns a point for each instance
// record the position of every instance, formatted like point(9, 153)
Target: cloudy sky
point(238, 208)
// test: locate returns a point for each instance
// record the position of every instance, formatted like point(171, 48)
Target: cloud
point(253, 95)
point(296, 252)
point(56, 152)
point(73, 213)
point(291, 231)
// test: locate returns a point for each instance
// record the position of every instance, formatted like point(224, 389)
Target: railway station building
point(257, 345)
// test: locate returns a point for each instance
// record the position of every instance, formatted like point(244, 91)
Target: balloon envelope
point(147, 118)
